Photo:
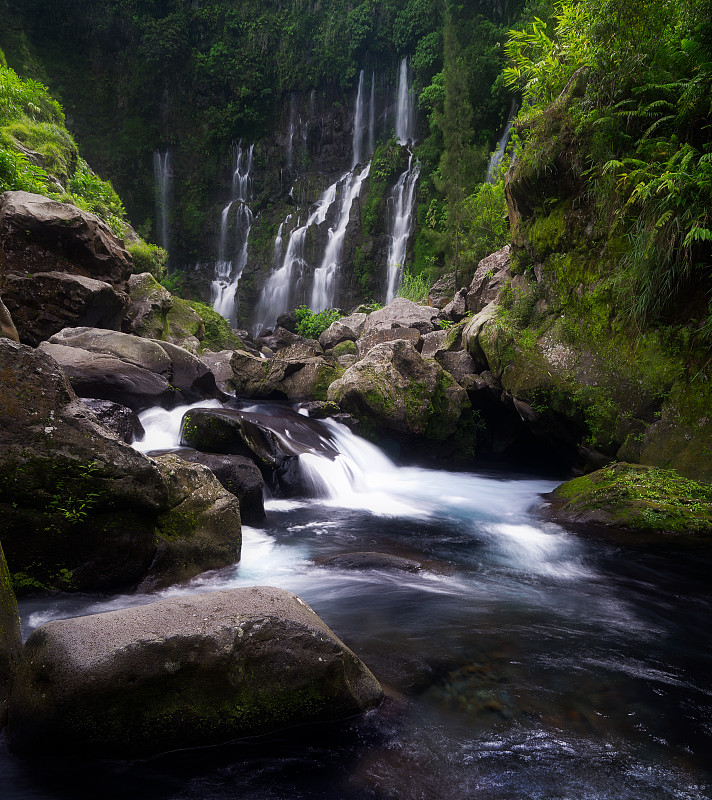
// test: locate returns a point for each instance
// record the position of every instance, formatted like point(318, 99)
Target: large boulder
point(119, 419)
point(7, 326)
point(239, 475)
point(343, 330)
point(62, 267)
point(490, 275)
point(402, 313)
point(77, 505)
point(10, 638)
point(393, 389)
point(138, 373)
point(380, 335)
point(155, 314)
point(184, 672)
point(201, 529)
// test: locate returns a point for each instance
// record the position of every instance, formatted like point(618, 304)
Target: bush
point(148, 258)
point(218, 333)
point(414, 287)
point(311, 325)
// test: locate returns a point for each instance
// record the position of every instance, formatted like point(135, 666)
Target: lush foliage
point(312, 324)
point(631, 86)
point(148, 258)
point(414, 287)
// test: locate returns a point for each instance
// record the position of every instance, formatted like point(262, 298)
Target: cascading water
point(277, 294)
point(372, 116)
point(358, 123)
point(405, 105)
point(401, 201)
point(228, 270)
point(326, 275)
point(163, 174)
point(498, 154)
point(400, 218)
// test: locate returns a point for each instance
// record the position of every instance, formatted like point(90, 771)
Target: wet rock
point(184, 672)
point(199, 531)
point(394, 389)
point(489, 277)
point(135, 372)
point(368, 560)
point(120, 420)
point(402, 313)
point(635, 498)
point(239, 475)
point(89, 500)
point(10, 638)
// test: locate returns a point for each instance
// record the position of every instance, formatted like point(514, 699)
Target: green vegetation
point(148, 258)
point(414, 287)
point(311, 325)
point(640, 498)
point(218, 334)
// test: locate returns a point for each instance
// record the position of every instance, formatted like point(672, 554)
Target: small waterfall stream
point(519, 660)
point(231, 262)
point(402, 199)
point(497, 156)
point(163, 174)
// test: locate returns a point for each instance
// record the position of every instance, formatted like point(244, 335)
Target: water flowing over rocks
point(10, 639)
point(61, 267)
point(135, 372)
point(183, 672)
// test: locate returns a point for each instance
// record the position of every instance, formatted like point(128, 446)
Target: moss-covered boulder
point(184, 672)
point(10, 639)
point(636, 498)
point(393, 390)
point(77, 505)
point(201, 528)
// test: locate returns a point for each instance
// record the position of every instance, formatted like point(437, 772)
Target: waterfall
point(324, 288)
point(498, 154)
point(372, 116)
point(228, 270)
point(400, 213)
point(290, 139)
point(405, 107)
point(276, 296)
point(358, 122)
point(163, 175)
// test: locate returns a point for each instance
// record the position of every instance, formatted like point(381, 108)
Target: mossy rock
point(10, 639)
point(636, 498)
point(347, 348)
point(218, 334)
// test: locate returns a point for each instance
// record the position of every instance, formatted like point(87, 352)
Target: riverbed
point(521, 660)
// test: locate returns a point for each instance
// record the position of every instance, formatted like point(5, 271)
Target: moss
point(148, 258)
point(640, 498)
point(175, 524)
point(218, 334)
point(345, 348)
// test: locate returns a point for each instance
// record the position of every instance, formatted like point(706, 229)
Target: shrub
point(414, 287)
point(148, 258)
point(311, 325)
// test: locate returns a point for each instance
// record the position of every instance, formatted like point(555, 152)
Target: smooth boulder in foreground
point(185, 672)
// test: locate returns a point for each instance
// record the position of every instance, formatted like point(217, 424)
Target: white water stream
point(163, 173)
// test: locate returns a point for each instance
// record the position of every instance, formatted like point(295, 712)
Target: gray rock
point(184, 672)
point(458, 363)
point(394, 389)
point(220, 365)
point(457, 307)
point(441, 291)
point(150, 304)
point(135, 372)
point(44, 303)
point(369, 340)
point(7, 326)
point(472, 332)
point(201, 530)
point(489, 276)
point(239, 475)
point(344, 329)
point(402, 313)
point(10, 639)
point(89, 500)
point(433, 343)
point(120, 420)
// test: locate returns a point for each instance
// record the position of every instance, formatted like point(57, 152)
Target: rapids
point(522, 661)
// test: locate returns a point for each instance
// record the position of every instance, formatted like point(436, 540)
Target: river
point(523, 661)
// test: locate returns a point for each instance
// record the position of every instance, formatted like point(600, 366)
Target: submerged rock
point(10, 639)
point(635, 498)
point(184, 672)
point(369, 560)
